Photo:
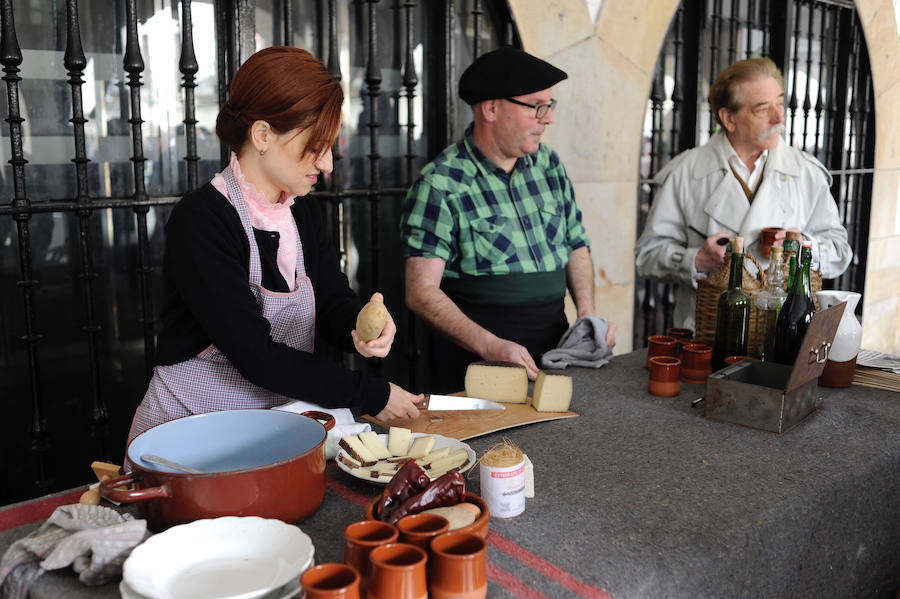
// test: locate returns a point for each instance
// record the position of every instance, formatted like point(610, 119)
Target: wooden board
point(465, 424)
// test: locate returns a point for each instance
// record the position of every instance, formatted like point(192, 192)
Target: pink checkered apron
point(209, 382)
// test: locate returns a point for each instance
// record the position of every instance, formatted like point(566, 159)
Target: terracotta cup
point(419, 529)
point(360, 538)
point(680, 333)
point(398, 572)
point(661, 345)
point(459, 568)
point(330, 581)
point(696, 364)
point(665, 376)
point(766, 239)
point(736, 359)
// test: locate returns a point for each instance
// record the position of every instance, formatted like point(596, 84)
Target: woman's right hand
point(401, 405)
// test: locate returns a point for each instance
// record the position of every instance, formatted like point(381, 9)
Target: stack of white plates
point(222, 558)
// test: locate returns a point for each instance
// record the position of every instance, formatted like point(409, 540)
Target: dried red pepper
point(448, 489)
point(409, 480)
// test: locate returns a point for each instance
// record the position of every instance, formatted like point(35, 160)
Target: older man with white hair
point(743, 179)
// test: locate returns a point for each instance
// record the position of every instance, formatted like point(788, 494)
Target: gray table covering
point(644, 497)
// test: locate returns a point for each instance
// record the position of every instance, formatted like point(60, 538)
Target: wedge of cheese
point(374, 444)
point(421, 446)
point(434, 455)
point(453, 461)
point(357, 450)
point(497, 381)
point(552, 392)
point(398, 440)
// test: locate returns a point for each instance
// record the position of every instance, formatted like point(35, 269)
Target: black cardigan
point(208, 301)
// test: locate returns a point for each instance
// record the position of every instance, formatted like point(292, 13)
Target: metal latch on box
point(814, 352)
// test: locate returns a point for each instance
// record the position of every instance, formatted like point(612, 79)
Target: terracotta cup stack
point(398, 572)
point(459, 568)
point(360, 538)
point(330, 581)
point(661, 345)
point(696, 363)
point(665, 376)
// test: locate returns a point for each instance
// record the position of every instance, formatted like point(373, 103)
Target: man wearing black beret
point(493, 234)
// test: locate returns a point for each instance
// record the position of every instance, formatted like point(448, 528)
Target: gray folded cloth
point(584, 344)
point(94, 539)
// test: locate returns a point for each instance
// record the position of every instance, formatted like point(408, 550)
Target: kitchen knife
point(456, 402)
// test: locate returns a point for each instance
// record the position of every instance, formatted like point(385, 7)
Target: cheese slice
point(552, 392)
point(398, 440)
point(451, 462)
point(421, 446)
point(434, 455)
point(497, 381)
point(374, 444)
point(357, 450)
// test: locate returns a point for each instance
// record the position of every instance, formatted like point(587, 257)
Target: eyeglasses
point(540, 110)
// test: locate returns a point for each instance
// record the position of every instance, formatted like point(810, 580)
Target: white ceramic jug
point(845, 347)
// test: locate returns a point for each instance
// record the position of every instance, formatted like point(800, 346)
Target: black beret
point(506, 72)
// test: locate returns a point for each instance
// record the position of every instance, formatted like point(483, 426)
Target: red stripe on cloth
point(347, 493)
point(511, 583)
point(544, 567)
point(33, 511)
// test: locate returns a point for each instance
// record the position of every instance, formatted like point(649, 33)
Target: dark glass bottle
point(733, 312)
point(795, 314)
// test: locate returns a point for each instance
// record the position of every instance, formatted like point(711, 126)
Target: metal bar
point(749, 24)
point(75, 62)
point(677, 91)
point(134, 66)
point(476, 28)
point(715, 27)
point(732, 31)
point(792, 104)
point(337, 174)
point(11, 58)
point(807, 101)
point(837, 107)
point(690, 33)
point(822, 89)
point(373, 91)
point(779, 15)
point(188, 66)
point(410, 81)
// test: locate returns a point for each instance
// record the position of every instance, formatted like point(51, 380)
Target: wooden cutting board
point(465, 424)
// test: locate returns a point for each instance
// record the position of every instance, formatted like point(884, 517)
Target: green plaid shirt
point(468, 211)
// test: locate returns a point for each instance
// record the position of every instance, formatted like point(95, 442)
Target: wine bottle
point(770, 300)
point(733, 312)
point(795, 314)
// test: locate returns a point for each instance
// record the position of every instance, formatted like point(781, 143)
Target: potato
point(371, 321)
point(459, 515)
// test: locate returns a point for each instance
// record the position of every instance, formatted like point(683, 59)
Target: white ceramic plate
point(223, 558)
point(439, 442)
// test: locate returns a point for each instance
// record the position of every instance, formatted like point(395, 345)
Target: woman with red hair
point(251, 278)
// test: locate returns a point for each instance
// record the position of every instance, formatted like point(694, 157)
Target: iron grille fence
point(829, 109)
point(111, 119)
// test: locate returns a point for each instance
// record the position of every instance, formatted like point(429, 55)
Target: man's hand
point(611, 334)
point(401, 405)
point(711, 255)
point(780, 235)
point(504, 350)
point(381, 345)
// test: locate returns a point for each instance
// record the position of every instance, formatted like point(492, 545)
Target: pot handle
point(108, 490)
point(320, 416)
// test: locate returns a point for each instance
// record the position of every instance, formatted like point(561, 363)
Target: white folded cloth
point(584, 344)
point(94, 539)
point(344, 423)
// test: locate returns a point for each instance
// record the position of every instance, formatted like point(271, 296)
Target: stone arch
point(602, 105)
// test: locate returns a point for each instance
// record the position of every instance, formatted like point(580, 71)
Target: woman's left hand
point(381, 345)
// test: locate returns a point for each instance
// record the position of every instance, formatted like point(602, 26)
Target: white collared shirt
point(750, 178)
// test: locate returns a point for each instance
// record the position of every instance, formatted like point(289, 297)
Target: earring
point(262, 152)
